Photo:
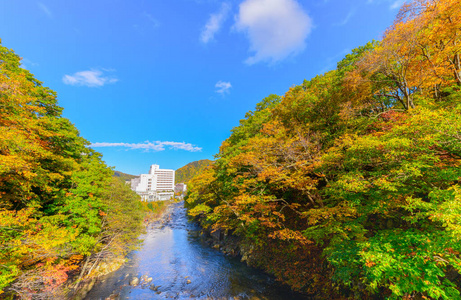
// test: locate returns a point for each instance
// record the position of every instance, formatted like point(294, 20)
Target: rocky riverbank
point(153, 219)
point(174, 262)
point(228, 244)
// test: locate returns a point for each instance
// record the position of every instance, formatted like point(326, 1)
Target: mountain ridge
point(189, 171)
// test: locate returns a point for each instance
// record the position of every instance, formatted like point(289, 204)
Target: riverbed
point(175, 263)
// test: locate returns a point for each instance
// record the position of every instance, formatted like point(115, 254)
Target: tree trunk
point(457, 66)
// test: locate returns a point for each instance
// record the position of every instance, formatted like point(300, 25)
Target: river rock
point(148, 279)
point(113, 296)
point(188, 281)
point(134, 281)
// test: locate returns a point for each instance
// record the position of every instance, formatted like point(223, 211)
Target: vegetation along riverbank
point(64, 218)
point(348, 186)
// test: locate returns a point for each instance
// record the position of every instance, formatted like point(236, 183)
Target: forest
point(349, 185)
point(187, 172)
point(64, 218)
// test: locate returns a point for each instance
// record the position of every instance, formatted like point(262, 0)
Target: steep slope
point(61, 211)
point(186, 173)
point(349, 186)
point(123, 176)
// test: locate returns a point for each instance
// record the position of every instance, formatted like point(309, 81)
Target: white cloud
point(152, 146)
point(90, 78)
point(155, 23)
point(346, 19)
point(214, 23)
point(223, 87)
point(397, 4)
point(26, 64)
point(276, 29)
point(45, 9)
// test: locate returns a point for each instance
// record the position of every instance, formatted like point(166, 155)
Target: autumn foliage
point(61, 213)
point(187, 172)
point(348, 186)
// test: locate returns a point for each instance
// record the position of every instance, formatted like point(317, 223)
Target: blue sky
point(164, 81)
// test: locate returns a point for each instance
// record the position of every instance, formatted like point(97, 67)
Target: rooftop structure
point(155, 186)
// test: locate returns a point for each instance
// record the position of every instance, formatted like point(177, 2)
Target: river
point(182, 266)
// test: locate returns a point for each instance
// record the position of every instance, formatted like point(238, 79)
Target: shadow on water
point(183, 267)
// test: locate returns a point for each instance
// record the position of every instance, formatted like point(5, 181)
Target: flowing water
point(182, 266)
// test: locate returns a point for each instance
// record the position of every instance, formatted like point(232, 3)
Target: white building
point(155, 186)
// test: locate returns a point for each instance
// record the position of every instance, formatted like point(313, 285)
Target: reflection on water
point(182, 267)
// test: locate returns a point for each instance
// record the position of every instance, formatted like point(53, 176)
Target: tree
point(59, 208)
point(418, 54)
point(349, 186)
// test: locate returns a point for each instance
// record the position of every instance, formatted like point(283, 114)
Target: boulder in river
point(134, 281)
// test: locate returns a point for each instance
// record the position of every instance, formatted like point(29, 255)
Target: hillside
point(186, 173)
point(62, 214)
point(123, 176)
point(349, 185)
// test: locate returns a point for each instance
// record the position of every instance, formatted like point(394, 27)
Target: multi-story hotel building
point(155, 186)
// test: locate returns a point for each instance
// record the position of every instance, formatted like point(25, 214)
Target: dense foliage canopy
point(61, 212)
point(349, 184)
point(186, 173)
point(123, 176)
